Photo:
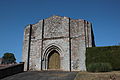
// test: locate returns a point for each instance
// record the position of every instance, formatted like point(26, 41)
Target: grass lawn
point(114, 75)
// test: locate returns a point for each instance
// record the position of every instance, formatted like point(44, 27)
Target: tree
point(8, 58)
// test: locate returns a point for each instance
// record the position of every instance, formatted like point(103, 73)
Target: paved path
point(43, 75)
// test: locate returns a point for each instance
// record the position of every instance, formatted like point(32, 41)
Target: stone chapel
point(57, 43)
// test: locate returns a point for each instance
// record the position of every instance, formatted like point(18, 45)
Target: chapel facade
point(57, 43)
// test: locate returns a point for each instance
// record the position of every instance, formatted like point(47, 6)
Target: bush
point(109, 54)
point(99, 67)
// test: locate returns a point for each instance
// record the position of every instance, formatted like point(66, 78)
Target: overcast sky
point(16, 14)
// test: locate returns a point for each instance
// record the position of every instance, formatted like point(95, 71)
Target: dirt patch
point(115, 75)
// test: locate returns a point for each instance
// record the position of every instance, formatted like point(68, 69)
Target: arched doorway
point(53, 60)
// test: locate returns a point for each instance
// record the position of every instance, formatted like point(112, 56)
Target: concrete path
point(43, 75)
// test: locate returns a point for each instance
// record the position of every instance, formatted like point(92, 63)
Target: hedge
point(99, 67)
point(109, 54)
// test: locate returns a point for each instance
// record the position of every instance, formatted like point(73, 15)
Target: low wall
point(10, 70)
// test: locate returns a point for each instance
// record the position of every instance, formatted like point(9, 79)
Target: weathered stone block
point(56, 26)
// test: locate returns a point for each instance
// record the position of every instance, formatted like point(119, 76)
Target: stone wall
point(56, 32)
point(56, 26)
point(35, 46)
point(26, 46)
point(63, 45)
point(78, 47)
point(11, 70)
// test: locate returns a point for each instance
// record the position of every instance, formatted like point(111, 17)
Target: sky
point(16, 14)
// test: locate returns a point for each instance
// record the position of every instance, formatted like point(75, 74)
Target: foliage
point(99, 67)
point(8, 58)
point(110, 54)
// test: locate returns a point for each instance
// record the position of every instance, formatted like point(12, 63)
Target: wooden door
point(54, 60)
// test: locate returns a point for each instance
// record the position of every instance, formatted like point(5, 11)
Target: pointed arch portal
point(53, 60)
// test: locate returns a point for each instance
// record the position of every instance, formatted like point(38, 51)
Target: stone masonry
point(67, 36)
